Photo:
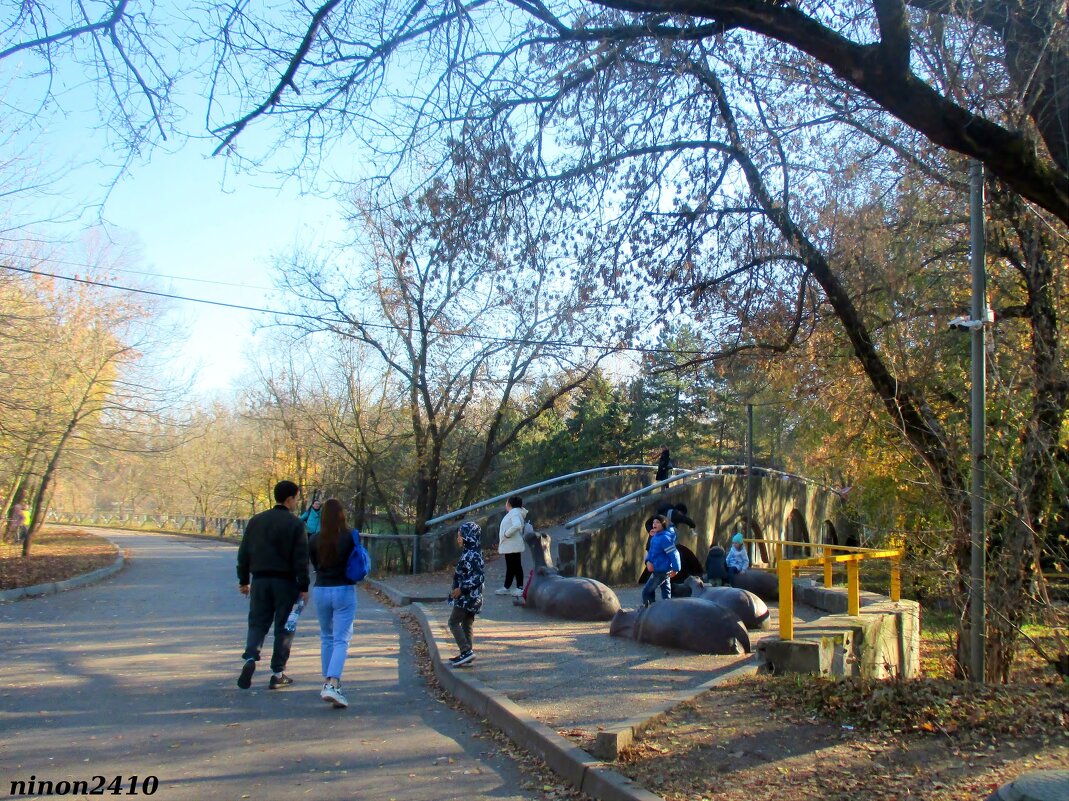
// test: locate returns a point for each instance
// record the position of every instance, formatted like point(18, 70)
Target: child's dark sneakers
point(281, 680)
point(245, 678)
point(462, 659)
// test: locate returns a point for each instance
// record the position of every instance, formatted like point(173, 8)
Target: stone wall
point(611, 548)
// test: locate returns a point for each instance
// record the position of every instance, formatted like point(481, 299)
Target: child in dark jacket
point(467, 593)
point(662, 560)
point(716, 568)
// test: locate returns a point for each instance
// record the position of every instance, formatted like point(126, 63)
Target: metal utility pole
point(978, 561)
point(749, 470)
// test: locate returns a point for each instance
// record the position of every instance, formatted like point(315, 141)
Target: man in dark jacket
point(274, 553)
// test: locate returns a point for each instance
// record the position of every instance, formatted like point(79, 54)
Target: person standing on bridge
point(664, 464)
point(274, 553)
point(510, 543)
point(335, 597)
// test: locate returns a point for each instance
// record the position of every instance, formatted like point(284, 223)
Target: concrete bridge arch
point(609, 547)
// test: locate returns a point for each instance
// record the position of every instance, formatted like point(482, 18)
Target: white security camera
point(968, 324)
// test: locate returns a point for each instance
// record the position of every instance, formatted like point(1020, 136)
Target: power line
point(342, 321)
point(145, 273)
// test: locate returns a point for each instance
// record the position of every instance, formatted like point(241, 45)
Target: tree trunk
point(39, 507)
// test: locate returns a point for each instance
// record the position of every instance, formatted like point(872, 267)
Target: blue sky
point(197, 228)
point(220, 240)
point(188, 216)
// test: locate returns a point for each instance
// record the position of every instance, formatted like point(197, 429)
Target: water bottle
point(291, 621)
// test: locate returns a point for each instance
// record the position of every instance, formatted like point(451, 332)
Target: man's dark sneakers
point(245, 679)
point(462, 659)
point(281, 680)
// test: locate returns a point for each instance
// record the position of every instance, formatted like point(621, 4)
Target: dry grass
point(57, 554)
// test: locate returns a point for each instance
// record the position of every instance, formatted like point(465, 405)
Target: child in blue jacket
point(467, 593)
point(662, 560)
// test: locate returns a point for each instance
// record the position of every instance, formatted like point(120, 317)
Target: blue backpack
point(359, 564)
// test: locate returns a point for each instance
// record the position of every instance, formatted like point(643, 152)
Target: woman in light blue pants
point(335, 597)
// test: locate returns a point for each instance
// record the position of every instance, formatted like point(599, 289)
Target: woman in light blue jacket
point(311, 518)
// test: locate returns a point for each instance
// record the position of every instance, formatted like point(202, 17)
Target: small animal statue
point(691, 624)
point(750, 609)
point(761, 583)
point(569, 597)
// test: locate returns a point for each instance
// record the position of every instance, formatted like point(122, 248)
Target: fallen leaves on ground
point(56, 555)
point(797, 738)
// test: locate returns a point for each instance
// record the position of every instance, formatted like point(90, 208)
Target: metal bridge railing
point(570, 477)
point(851, 556)
point(716, 469)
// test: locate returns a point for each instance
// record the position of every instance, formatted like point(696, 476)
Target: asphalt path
point(135, 677)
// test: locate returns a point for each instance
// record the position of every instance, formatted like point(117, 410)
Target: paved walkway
point(135, 676)
point(572, 676)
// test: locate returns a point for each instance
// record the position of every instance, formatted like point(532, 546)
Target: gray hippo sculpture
point(761, 583)
point(569, 597)
point(750, 609)
point(691, 624)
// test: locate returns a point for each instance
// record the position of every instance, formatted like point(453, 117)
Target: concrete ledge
point(833, 600)
point(610, 742)
point(398, 598)
point(570, 762)
point(53, 587)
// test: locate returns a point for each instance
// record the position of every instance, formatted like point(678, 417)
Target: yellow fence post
point(828, 564)
point(786, 599)
point(896, 577)
point(853, 589)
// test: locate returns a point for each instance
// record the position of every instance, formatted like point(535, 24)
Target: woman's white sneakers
point(333, 695)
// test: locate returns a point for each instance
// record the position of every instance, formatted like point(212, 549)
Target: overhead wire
point(341, 320)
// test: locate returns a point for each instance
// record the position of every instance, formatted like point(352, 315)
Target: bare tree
point(465, 63)
point(462, 320)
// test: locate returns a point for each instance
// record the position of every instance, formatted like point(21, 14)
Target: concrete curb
point(610, 742)
point(570, 762)
point(53, 587)
point(399, 598)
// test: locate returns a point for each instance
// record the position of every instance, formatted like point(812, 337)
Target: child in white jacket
point(510, 543)
point(738, 561)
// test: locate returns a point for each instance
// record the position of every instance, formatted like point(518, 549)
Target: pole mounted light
point(981, 317)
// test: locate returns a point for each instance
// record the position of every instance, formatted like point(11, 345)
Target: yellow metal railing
point(851, 556)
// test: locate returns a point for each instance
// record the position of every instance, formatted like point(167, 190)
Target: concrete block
point(779, 657)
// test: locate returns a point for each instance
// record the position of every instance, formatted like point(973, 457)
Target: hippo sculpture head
point(572, 598)
point(691, 624)
point(750, 609)
point(761, 583)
